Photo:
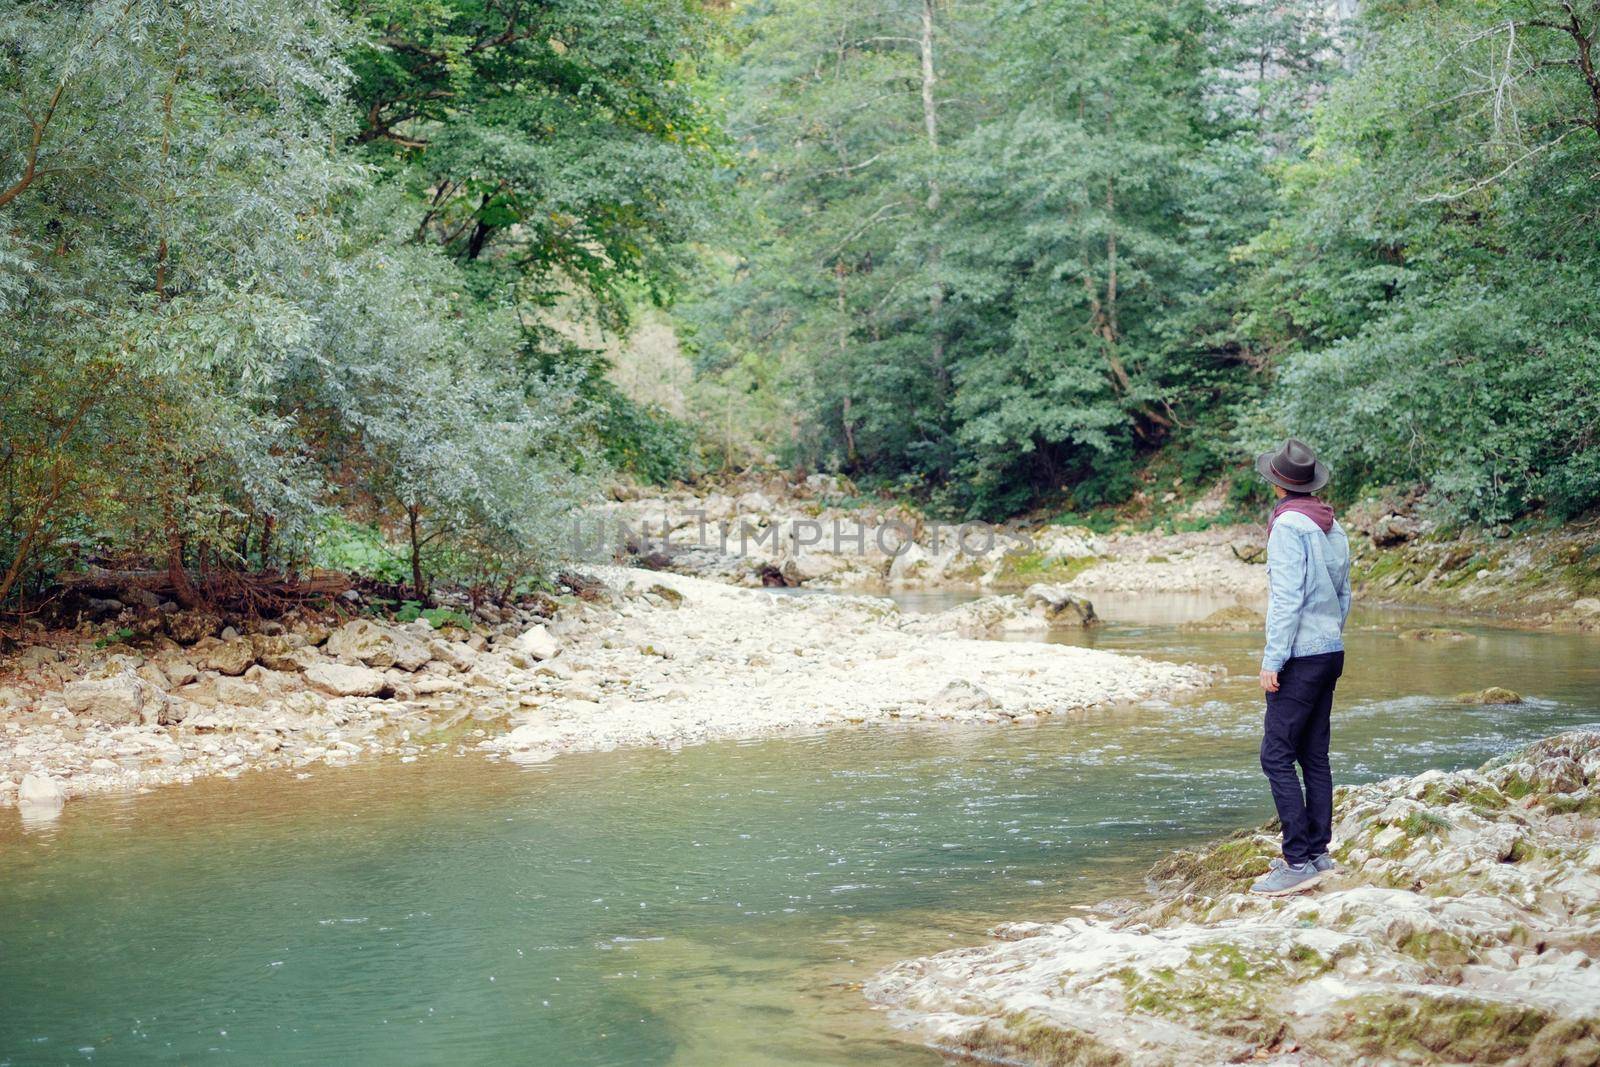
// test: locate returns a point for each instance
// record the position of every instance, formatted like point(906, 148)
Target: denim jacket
point(1308, 573)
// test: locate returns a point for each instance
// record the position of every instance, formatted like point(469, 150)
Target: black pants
point(1297, 732)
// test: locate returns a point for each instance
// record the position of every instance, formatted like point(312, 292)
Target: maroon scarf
point(1307, 505)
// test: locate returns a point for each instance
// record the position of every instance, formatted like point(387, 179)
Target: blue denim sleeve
point(1286, 580)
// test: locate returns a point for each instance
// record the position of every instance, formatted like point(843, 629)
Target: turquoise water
point(717, 905)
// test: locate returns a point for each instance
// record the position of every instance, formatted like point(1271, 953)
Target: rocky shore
point(642, 659)
point(1462, 926)
point(770, 530)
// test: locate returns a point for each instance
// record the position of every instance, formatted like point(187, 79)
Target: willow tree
point(214, 334)
point(163, 170)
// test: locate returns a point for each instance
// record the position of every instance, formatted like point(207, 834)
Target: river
point(720, 904)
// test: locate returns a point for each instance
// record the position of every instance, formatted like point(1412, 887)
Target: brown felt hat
point(1294, 466)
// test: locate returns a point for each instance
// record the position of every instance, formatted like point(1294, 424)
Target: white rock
point(344, 680)
point(40, 789)
point(536, 643)
point(377, 645)
point(121, 699)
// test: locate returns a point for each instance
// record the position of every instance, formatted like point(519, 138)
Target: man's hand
point(1269, 681)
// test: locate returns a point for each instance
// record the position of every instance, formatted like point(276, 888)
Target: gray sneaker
point(1282, 878)
point(1323, 863)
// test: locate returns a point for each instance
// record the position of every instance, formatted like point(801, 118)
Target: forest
point(301, 284)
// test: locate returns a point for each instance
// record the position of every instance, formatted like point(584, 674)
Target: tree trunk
point(930, 123)
point(182, 587)
point(844, 347)
point(269, 524)
point(412, 514)
point(480, 233)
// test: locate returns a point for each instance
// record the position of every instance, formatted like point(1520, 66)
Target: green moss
point(1218, 991)
point(1572, 804)
point(1310, 959)
point(1381, 566)
point(1516, 787)
point(1455, 1029)
point(1227, 867)
point(1437, 947)
point(1483, 798)
point(1423, 823)
point(1024, 1037)
point(1025, 568)
point(1564, 1043)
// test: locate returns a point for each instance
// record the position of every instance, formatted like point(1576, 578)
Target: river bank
point(767, 529)
point(1460, 927)
point(717, 903)
point(645, 659)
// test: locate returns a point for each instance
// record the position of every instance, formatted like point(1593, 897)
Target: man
point(1308, 573)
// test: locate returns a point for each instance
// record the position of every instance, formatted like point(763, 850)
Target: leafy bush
point(353, 548)
point(644, 439)
point(438, 618)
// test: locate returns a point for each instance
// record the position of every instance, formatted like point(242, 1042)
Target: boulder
point(1393, 530)
point(272, 681)
point(153, 674)
point(1492, 695)
point(236, 692)
point(1235, 617)
point(455, 654)
point(908, 564)
point(344, 680)
point(178, 670)
point(377, 646)
point(225, 657)
point(303, 702)
point(962, 696)
point(187, 627)
point(124, 699)
point(276, 650)
point(42, 790)
point(1431, 634)
point(536, 643)
point(37, 656)
point(1059, 606)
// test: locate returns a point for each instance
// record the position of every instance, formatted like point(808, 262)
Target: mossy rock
point(1221, 989)
point(1454, 1029)
point(1437, 947)
point(1428, 633)
point(1227, 867)
point(1424, 823)
point(667, 593)
point(1024, 1037)
point(1026, 568)
point(1586, 803)
point(1233, 618)
point(1493, 695)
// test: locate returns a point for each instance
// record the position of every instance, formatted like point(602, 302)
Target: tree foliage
point(1182, 228)
point(221, 323)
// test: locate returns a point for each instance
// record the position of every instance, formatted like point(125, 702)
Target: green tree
point(1428, 288)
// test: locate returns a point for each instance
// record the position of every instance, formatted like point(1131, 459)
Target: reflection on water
point(718, 905)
